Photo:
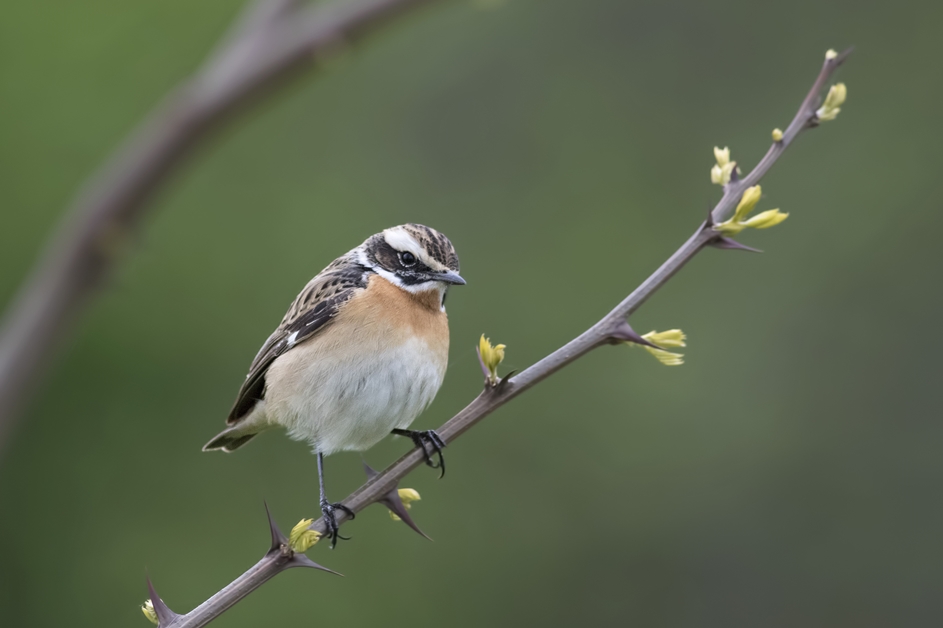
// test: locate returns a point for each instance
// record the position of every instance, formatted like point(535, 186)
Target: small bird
point(360, 353)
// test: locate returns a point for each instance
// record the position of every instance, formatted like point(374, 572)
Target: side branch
point(612, 328)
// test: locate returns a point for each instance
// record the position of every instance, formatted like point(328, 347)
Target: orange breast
point(392, 315)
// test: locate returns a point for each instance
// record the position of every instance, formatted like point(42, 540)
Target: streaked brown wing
point(311, 312)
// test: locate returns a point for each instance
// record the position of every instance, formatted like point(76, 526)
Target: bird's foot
point(421, 438)
point(330, 521)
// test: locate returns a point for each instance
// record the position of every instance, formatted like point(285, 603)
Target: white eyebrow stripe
point(402, 240)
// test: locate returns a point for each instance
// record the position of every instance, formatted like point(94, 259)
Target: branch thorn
point(503, 381)
point(278, 539)
point(392, 501)
point(165, 616)
point(709, 223)
point(724, 242)
point(625, 332)
point(301, 560)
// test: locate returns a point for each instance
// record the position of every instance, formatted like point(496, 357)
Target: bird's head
point(414, 257)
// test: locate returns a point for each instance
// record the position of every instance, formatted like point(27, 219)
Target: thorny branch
point(613, 328)
point(273, 39)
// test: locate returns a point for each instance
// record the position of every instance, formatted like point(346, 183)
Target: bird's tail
point(230, 439)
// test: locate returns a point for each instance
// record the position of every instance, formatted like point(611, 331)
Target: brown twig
point(612, 328)
point(271, 40)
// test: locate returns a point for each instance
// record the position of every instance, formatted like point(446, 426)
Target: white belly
point(347, 398)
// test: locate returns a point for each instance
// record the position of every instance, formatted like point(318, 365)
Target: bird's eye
point(408, 258)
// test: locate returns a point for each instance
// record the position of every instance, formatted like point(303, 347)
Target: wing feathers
point(311, 312)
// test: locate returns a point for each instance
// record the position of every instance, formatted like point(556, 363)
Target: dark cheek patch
point(386, 256)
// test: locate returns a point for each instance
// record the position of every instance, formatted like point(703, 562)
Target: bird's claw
point(420, 438)
point(330, 521)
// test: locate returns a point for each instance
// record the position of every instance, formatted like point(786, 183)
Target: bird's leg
point(327, 508)
point(420, 438)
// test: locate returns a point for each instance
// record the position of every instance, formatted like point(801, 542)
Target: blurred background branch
point(613, 328)
point(272, 39)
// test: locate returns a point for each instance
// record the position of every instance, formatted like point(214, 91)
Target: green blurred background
point(788, 474)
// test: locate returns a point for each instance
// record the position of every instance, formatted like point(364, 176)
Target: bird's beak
point(452, 277)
